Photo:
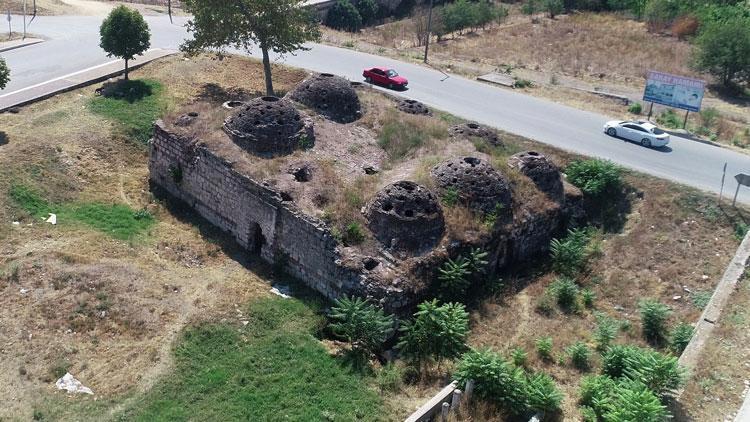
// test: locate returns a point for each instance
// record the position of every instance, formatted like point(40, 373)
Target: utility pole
point(429, 30)
point(24, 20)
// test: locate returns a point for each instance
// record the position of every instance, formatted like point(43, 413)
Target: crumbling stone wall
point(260, 221)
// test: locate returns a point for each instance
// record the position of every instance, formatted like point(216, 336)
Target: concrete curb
point(67, 83)
point(711, 313)
point(12, 45)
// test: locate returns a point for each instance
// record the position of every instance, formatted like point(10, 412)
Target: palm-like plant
point(360, 323)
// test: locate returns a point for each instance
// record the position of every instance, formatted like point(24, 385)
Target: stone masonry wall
point(257, 217)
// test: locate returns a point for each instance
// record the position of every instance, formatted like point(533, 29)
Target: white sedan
point(642, 132)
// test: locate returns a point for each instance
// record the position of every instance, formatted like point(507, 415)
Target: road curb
point(73, 86)
point(29, 42)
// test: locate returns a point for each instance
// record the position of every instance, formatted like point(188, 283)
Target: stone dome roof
point(329, 95)
point(405, 216)
point(269, 126)
point(413, 107)
point(544, 173)
point(477, 184)
point(475, 130)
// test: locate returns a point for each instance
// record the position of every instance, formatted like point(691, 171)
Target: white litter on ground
point(52, 219)
point(72, 385)
point(281, 290)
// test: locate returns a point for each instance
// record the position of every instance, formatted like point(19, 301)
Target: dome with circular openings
point(475, 130)
point(413, 107)
point(474, 183)
point(405, 216)
point(544, 173)
point(330, 95)
point(269, 126)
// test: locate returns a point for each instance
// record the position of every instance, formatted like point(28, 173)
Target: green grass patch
point(117, 220)
point(133, 104)
point(272, 369)
point(403, 134)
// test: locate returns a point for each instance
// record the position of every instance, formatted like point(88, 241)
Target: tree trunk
point(126, 69)
point(267, 70)
point(169, 10)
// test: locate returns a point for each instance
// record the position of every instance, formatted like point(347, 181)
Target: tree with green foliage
point(368, 11)
point(529, 7)
point(571, 253)
point(281, 26)
point(4, 73)
point(344, 15)
point(361, 324)
point(723, 50)
point(620, 400)
point(660, 372)
point(553, 7)
point(453, 277)
point(124, 34)
point(680, 337)
point(565, 292)
point(654, 315)
point(437, 332)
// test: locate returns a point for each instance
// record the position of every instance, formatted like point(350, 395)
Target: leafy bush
point(522, 83)
point(529, 7)
point(701, 298)
point(343, 15)
point(658, 371)
point(450, 197)
point(668, 118)
point(588, 297)
point(565, 291)
point(606, 331)
point(579, 354)
point(436, 332)
point(654, 315)
point(544, 348)
point(519, 356)
point(635, 108)
point(542, 393)
point(477, 258)
point(680, 337)
point(353, 234)
point(553, 7)
point(596, 389)
point(569, 254)
point(360, 323)
point(506, 385)
point(608, 399)
point(389, 378)
point(453, 277)
point(4, 73)
point(595, 177)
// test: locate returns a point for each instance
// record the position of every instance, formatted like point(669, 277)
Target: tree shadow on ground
point(3, 138)
point(217, 94)
point(737, 95)
point(130, 90)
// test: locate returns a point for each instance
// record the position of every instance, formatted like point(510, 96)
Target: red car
point(386, 77)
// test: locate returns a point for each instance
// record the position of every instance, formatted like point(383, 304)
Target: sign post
point(723, 175)
point(742, 179)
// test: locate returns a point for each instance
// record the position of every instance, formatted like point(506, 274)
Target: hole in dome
point(387, 206)
point(472, 161)
point(285, 196)
point(370, 263)
point(193, 114)
point(455, 180)
point(302, 174)
point(327, 75)
point(270, 99)
point(406, 185)
point(409, 213)
point(232, 104)
point(472, 125)
point(533, 153)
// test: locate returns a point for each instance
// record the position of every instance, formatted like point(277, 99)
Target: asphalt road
point(73, 46)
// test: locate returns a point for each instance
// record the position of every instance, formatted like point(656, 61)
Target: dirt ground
point(73, 299)
point(722, 378)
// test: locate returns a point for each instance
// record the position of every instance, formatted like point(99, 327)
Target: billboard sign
point(674, 91)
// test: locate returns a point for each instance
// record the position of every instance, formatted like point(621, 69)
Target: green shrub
point(368, 11)
point(436, 332)
point(542, 394)
point(522, 83)
point(740, 230)
point(544, 348)
point(360, 323)
point(579, 354)
point(596, 389)
point(606, 331)
point(453, 277)
point(680, 337)
point(353, 234)
point(588, 297)
point(701, 298)
point(545, 305)
point(477, 258)
point(4, 73)
point(659, 372)
point(595, 177)
point(389, 378)
point(565, 291)
point(553, 7)
point(635, 108)
point(571, 253)
point(343, 15)
point(519, 356)
point(668, 118)
point(633, 401)
point(529, 7)
point(450, 197)
point(654, 315)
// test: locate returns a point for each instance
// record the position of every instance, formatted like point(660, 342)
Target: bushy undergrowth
point(571, 253)
point(596, 178)
point(654, 315)
point(508, 386)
